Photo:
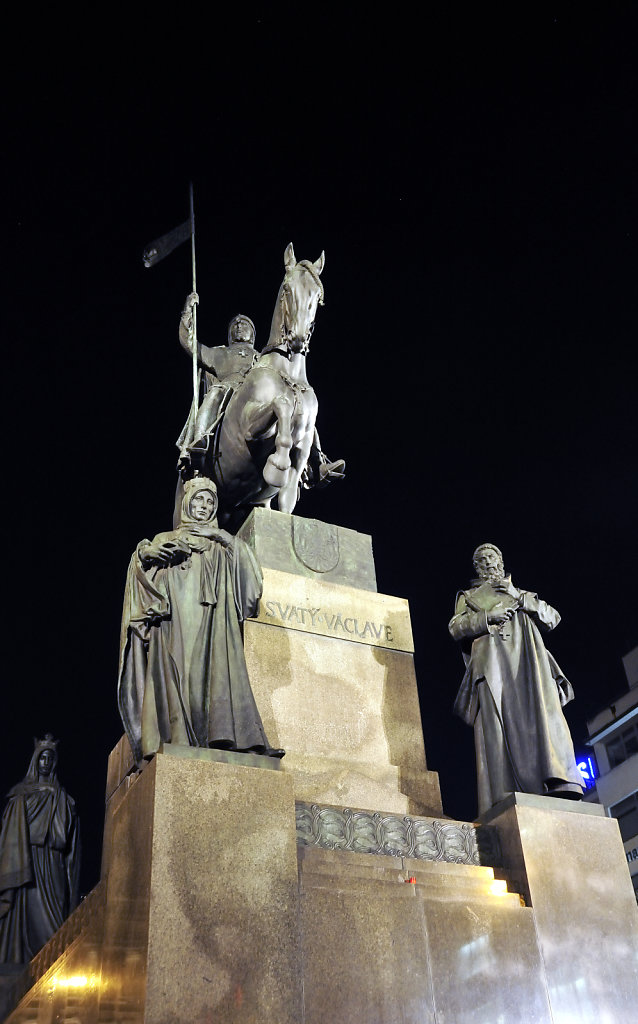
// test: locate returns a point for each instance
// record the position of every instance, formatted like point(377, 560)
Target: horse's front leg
point(277, 469)
point(289, 492)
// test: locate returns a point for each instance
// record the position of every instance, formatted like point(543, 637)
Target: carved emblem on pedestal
point(316, 544)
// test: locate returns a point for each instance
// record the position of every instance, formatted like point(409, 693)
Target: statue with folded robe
point(183, 676)
point(39, 858)
point(513, 690)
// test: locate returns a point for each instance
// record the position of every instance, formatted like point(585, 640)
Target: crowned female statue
point(39, 858)
point(183, 676)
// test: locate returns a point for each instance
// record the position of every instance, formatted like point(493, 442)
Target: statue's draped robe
point(39, 867)
point(512, 693)
point(183, 676)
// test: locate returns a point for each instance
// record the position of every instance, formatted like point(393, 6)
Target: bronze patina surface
point(254, 433)
point(225, 367)
point(371, 832)
point(39, 858)
point(183, 676)
point(513, 689)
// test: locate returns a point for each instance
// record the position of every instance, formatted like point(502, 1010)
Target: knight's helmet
point(246, 319)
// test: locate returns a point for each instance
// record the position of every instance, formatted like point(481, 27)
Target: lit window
point(623, 745)
point(626, 812)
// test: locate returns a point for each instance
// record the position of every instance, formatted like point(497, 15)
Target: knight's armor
point(225, 368)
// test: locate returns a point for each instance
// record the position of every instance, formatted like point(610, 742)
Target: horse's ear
point(290, 260)
point(318, 264)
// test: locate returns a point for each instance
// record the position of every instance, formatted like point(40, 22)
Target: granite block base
point(210, 913)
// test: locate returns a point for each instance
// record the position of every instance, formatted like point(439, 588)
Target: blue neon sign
point(588, 769)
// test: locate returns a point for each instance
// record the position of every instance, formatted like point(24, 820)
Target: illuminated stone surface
point(347, 715)
point(331, 609)
point(332, 672)
point(569, 863)
point(378, 947)
point(209, 912)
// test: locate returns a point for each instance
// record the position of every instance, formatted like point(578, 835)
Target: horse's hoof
point(274, 476)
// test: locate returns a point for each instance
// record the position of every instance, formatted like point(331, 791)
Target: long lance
point(194, 311)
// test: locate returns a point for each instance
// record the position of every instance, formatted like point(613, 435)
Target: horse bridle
point(286, 335)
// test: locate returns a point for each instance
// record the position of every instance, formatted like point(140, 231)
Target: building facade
point(613, 733)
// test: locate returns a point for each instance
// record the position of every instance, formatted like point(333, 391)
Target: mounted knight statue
point(253, 432)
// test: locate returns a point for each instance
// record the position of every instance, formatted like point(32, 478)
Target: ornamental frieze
point(335, 828)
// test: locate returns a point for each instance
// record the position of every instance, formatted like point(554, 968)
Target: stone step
point(344, 871)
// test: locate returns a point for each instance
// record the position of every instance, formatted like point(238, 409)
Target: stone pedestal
point(197, 918)
point(202, 889)
point(209, 913)
point(327, 887)
point(568, 862)
point(310, 548)
point(331, 663)
point(402, 941)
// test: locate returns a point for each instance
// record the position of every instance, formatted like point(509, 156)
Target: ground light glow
point(74, 981)
point(498, 887)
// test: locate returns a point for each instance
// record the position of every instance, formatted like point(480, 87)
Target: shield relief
point(316, 544)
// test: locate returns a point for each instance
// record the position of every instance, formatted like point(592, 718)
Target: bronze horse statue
point(265, 445)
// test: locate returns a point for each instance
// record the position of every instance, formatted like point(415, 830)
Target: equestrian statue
point(253, 430)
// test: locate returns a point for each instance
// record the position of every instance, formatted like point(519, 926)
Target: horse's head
point(300, 294)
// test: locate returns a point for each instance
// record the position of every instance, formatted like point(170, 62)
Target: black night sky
point(471, 177)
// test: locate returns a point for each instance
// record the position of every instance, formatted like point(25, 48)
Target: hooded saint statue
point(39, 858)
point(183, 676)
